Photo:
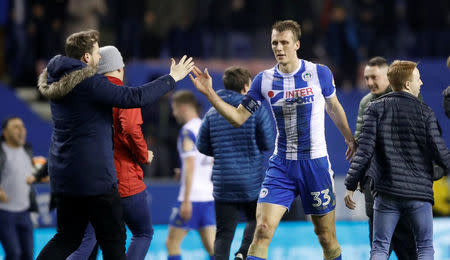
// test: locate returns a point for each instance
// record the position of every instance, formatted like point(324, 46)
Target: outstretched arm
point(107, 93)
point(203, 82)
point(337, 114)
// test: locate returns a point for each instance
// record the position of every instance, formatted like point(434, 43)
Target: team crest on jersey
point(263, 193)
point(306, 75)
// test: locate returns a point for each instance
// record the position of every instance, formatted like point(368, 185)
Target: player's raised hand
point(202, 80)
point(180, 70)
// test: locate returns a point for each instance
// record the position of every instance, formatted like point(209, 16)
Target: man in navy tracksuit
point(238, 170)
point(81, 163)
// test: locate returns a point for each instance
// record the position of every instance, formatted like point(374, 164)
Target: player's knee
point(171, 244)
point(325, 236)
point(263, 232)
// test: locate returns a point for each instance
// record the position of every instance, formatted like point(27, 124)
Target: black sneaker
point(239, 256)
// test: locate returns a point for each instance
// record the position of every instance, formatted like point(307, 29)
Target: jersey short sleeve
point(326, 81)
point(187, 143)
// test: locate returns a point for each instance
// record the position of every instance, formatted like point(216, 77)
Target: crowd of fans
point(340, 33)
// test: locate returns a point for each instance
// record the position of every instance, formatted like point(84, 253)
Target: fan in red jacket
point(130, 148)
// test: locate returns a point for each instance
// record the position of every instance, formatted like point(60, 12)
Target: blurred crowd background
point(339, 33)
point(342, 34)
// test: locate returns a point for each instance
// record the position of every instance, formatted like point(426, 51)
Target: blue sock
point(174, 257)
point(211, 257)
point(339, 257)
point(250, 257)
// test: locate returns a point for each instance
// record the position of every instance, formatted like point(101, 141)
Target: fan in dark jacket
point(375, 75)
point(238, 170)
point(81, 163)
point(399, 140)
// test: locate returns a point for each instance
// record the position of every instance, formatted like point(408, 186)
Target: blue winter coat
point(238, 169)
point(81, 159)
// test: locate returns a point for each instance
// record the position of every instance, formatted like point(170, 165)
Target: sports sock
point(250, 257)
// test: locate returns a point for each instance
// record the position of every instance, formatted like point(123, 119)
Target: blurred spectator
point(3, 24)
point(155, 28)
point(377, 25)
point(46, 30)
point(17, 43)
point(84, 15)
point(130, 13)
point(16, 196)
point(181, 17)
point(430, 24)
point(307, 16)
point(342, 47)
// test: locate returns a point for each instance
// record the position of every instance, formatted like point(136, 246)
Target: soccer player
point(298, 91)
point(195, 207)
point(238, 170)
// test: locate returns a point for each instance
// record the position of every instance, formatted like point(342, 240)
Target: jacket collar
point(62, 75)
point(115, 80)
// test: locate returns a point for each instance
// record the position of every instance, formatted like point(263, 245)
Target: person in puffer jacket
point(81, 163)
point(399, 141)
point(238, 170)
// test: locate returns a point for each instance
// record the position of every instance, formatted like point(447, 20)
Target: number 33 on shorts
point(321, 198)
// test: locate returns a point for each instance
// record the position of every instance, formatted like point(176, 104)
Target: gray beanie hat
point(110, 60)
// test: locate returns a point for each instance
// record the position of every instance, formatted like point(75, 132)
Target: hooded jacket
point(81, 148)
point(238, 170)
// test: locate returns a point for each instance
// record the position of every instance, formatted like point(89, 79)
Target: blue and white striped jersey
point(202, 186)
point(297, 101)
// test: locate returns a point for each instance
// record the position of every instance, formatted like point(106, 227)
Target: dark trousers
point(73, 214)
point(16, 235)
point(228, 215)
point(136, 210)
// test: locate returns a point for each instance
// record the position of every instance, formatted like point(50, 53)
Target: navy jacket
point(81, 159)
point(399, 140)
point(238, 169)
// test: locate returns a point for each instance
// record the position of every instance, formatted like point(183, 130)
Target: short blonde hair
point(399, 72)
point(288, 25)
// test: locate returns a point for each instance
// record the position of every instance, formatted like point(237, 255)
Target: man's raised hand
point(180, 70)
point(202, 80)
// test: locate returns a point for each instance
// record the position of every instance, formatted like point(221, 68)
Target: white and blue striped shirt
point(297, 101)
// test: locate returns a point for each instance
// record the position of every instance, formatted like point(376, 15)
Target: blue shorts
point(203, 215)
point(312, 179)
